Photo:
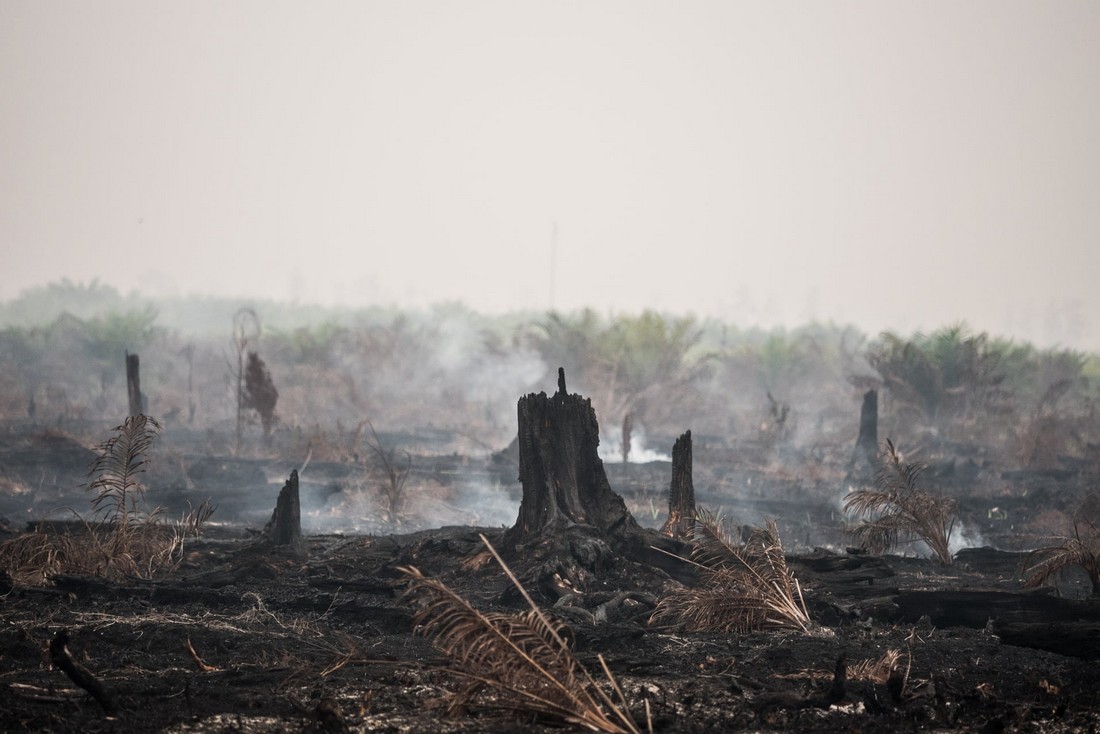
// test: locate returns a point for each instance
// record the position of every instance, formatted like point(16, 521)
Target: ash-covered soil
point(238, 641)
point(245, 640)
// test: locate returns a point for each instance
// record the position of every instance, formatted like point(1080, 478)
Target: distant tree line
point(448, 366)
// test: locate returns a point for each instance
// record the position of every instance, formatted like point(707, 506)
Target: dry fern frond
point(742, 586)
point(896, 508)
point(525, 657)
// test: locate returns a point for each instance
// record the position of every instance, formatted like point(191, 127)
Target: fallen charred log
point(1076, 639)
point(966, 608)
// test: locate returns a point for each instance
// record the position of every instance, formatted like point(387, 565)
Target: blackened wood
point(681, 491)
point(966, 608)
point(866, 451)
point(133, 384)
point(837, 571)
point(563, 477)
point(628, 430)
point(1076, 639)
point(59, 655)
point(284, 531)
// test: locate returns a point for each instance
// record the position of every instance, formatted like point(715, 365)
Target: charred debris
point(575, 614)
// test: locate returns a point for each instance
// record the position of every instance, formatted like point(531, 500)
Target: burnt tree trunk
point(133, 384)
point(564, 483)
point(628, 430)
point(284, 531)
point(866, 451)
point(681, 491)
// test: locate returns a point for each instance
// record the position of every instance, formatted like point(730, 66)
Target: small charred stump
point(681, 492)
point(284, 531)
point(865, 453)
point(133, 384)
point(628, 431)
point(564, 483)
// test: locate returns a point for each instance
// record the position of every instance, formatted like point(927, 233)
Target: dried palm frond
point(127, 539)
point(879, 670)
point(524, 657)
point(1080, 549)
point(115, 470)
point(742, 586)
point(896, 509)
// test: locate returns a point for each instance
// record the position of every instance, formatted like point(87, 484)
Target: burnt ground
point(238, 639)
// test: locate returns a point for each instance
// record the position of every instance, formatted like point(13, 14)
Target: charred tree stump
point(628, 430)
point(681, 492)
point(133, 384)
point(866, 451)
point(564, 483)
point(284, 531)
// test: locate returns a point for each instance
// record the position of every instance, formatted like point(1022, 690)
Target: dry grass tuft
point(742, 587)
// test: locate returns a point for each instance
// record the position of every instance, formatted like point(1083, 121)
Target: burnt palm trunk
point(133, 384)
point(866, 450)
point(284, 530)
point(681, 491)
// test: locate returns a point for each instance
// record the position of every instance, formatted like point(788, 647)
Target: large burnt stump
point(572, 529)
point(681, 492)
point(563, 478)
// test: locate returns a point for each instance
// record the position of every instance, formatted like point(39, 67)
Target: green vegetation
point(447, 366)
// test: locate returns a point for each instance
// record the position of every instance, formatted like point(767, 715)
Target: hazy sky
point(892, 164)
